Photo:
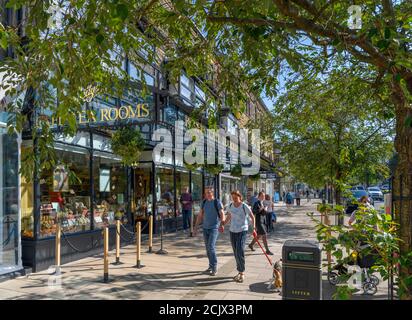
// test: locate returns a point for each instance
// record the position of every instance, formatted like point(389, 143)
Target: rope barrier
point(123, 238)
point(74, 247)
point(133, 237)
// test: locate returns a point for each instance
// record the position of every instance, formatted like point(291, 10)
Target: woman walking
point(259, 211)
point(238, 214)
point(269, 212)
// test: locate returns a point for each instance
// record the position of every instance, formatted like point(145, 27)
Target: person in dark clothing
point(186, 202)
point(298, 199)
point(259, 211)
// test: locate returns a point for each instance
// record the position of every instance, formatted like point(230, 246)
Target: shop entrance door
point(142, 196)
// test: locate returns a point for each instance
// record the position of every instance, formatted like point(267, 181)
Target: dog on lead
point(276, 281)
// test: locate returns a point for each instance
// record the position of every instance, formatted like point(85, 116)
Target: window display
point(65, 194)
point(182, 181)
point(110, 185)
point(165, 192)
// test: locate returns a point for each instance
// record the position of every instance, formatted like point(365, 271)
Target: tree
point(240, 41)
point(328, 132)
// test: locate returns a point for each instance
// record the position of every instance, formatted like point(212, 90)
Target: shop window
point(136, 74)
point(9, 204)
point(109, 177)
point(65, 192)
point(197, 190)
point(165, 192)
point(182, 181)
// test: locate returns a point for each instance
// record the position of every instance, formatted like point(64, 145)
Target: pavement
point(176, 275)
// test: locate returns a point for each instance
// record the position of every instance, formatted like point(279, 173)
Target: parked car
point(375, 193)
point(352, 205)
point(357, 188)
point(385, 188)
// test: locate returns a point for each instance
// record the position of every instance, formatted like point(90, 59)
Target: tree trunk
point(402, 188)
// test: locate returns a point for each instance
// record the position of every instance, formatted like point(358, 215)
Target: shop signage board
point(107, 115)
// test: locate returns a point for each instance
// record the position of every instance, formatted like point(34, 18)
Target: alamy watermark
point(196, 147)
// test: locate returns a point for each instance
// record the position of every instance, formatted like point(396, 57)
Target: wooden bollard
point(138, 244)
point(117, 242)
point(57, 248)
point(106, 254)
point(150, 233)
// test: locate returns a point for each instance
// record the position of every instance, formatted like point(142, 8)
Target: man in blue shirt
point(212, 216)
point(254, 199)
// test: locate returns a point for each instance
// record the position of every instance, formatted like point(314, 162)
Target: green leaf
point(387, 33)
point(382, 44)
point(3, 41)
point(122, 11)
point(99, 38)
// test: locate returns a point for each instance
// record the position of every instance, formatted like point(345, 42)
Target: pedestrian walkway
point(176, 275)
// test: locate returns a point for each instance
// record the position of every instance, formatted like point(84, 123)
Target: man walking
point(186, 202)
point(213, 217)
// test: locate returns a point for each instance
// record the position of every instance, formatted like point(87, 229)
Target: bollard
point(117, 242)
point(150, 233)
point(161, 251)
point(106, 255)
point(58, 240)
point(191, 224)
point(138, 244)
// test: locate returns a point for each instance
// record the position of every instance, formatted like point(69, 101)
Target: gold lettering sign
point(141, 110)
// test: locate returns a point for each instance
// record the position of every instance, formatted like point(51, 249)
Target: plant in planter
point(192, 167)
point(214, 168)
point(128, 143)
point(254, 177)
point(236, 171)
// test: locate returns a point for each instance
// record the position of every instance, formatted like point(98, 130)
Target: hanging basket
point(214, 168)
point(254, 177)
point(128, 143)
point(236, 171)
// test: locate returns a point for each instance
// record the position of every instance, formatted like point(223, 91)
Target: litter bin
point(301, 270)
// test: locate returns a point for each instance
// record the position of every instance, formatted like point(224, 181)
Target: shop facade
point(90, 188)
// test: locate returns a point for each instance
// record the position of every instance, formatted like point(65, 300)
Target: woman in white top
point(239, 213)
point(270, 208)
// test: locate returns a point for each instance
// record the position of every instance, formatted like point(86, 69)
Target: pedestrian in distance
point(307, 195)
point(289, 200)
point(211, 216)
point(269, 204)
point(259, 211)
point(298, 199)
point(239, 214)
point(186, 202)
